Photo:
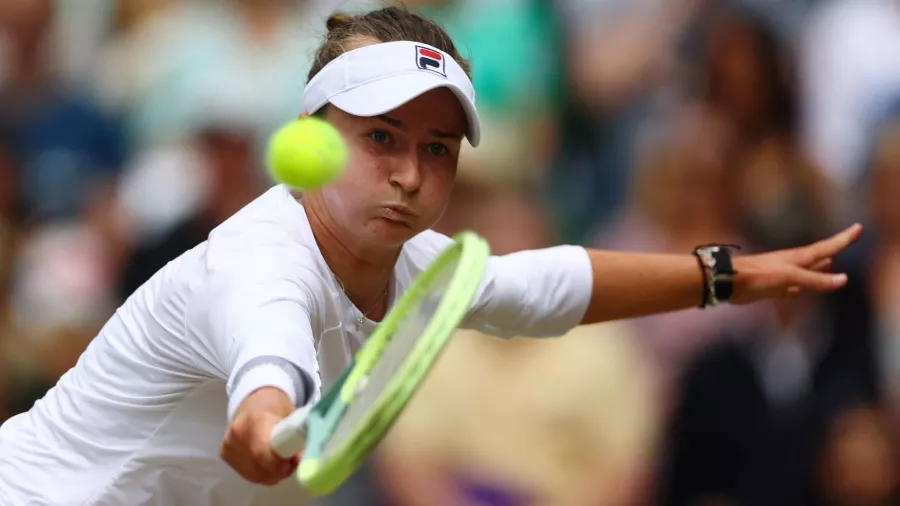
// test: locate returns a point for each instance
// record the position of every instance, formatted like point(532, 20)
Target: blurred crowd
point(130, 128)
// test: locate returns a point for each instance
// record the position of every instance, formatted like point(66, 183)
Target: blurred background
point(130, 128)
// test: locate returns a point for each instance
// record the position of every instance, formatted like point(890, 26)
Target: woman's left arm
point(629, 285)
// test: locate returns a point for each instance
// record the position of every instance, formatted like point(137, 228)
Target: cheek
point(347, 197)
point(435, 193)
point(363, 174)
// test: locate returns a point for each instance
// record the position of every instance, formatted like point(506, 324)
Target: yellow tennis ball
point(307, 154)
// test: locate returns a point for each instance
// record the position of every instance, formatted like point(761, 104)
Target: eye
point(380, 137)
point(437, 149)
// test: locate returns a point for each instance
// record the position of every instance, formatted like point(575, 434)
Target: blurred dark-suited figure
point(228, 160)
point(757, 407)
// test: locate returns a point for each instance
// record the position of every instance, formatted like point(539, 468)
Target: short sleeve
point(534, 293)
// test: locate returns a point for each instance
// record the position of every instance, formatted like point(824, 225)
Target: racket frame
point(322, 476)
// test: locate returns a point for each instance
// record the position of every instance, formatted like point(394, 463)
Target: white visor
point(375, 79)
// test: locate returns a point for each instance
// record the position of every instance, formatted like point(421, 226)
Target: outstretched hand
point(792, 271)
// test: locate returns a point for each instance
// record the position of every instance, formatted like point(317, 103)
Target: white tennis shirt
point(140, 418)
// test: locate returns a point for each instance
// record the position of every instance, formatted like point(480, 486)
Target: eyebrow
point(396, 123)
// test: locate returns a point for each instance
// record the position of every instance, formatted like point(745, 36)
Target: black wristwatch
point(718, 273)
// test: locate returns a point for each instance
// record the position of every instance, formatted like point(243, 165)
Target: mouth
point(398, 212)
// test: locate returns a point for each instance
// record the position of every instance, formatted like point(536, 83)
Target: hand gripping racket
point(338, 432)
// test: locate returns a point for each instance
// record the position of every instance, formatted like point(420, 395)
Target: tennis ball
point(307, 154)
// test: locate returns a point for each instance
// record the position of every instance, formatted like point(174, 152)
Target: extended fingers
point(830, 247)
point(823, 265)
point(811, 280)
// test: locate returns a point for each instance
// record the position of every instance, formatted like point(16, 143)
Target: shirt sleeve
point(534, 293)
point(260, 321)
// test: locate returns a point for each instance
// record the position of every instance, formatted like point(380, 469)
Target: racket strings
point(398, 347)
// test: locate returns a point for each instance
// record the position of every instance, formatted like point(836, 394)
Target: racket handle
point(289, 435)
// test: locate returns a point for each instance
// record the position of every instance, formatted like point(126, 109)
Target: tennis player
point(236, 333)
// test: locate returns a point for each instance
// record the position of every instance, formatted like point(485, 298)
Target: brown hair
point(390, 24)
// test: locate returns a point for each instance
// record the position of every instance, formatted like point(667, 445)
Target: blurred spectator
point(621, 62)
point(747, 72)
point(68, 147)
point(232, 179)
point(850, 67)
point(861, 463)
point(62, 291)
point(9, 212)
point(61, 154)
point(538, 422)
point(749, 81)
point(160, 188)
point(173, 62)
point(80, 30)
point(511, 217)
point(757, 406)
point(881, 264)
point(682, 197)
point(8, 224)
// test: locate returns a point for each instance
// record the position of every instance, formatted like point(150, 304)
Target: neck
point(365, 273)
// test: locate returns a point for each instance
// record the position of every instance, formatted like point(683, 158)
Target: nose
point(406, 172)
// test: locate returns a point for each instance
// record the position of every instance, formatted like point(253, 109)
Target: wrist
point(269, 372)
point(269, 400)
point(718, 272)
point(258, 381)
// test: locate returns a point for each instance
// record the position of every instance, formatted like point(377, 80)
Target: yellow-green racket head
point(350, 420)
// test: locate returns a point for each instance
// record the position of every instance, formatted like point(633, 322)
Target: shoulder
point(264, 245)
point(267, 235)
point(423, 248)
point(418, 253)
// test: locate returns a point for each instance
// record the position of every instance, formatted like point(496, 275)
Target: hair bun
point(337, 21)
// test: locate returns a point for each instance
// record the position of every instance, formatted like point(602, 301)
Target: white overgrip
point(289, 435)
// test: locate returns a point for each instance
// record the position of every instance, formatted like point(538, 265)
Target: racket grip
point(289, 435)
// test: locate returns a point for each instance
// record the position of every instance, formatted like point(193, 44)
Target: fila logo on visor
point(429, 59)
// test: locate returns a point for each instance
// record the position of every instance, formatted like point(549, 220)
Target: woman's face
point(401, 169)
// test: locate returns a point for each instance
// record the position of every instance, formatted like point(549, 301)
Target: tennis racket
point(339, 431)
